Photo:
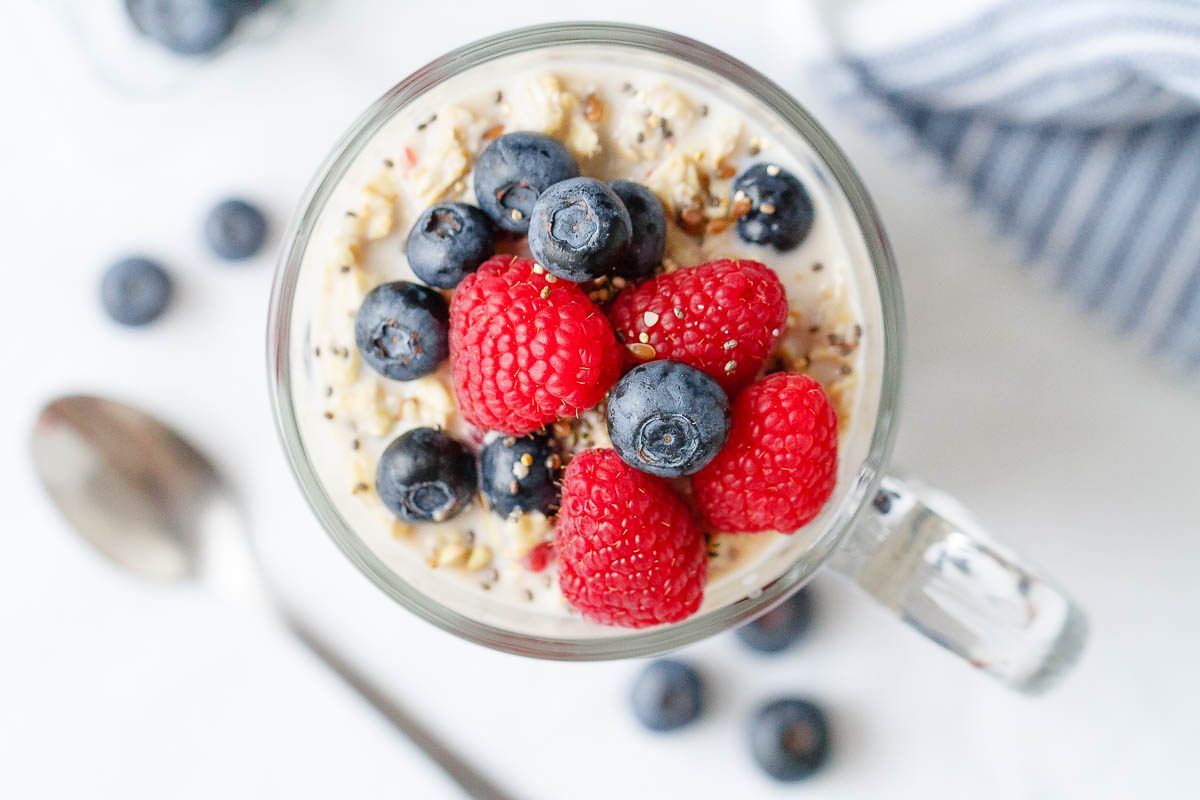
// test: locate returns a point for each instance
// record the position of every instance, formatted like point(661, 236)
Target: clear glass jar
point(874, 532)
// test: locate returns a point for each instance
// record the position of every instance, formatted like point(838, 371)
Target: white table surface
point(1060, 438)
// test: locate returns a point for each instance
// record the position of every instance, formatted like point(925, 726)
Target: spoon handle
point(469, 780)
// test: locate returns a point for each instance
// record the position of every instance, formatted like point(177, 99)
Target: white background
point(1061, 439)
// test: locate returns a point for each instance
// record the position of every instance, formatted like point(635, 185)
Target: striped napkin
point(1075, 124)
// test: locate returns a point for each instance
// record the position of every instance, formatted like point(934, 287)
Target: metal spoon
point(149, 501)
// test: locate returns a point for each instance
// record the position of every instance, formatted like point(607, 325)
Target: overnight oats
point(582, 344)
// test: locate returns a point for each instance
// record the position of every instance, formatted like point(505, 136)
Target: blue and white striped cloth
point(1076, 126)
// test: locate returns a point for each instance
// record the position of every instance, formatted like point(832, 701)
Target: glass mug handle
point(920, 554)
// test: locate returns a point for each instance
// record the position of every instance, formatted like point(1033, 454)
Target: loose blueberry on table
point(189, 27)
point(513, 171)
point(667, 695)
point(667, 418)
point(401, 330)
point(520, 474)
point(781, 627)
point(235, 229)
point(789, 738)
point(425, 476)
point(448, 242)
point(781, 212)
point(135, 291)
point(579, 229)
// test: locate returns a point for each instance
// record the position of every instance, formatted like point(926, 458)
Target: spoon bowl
point(130, 486)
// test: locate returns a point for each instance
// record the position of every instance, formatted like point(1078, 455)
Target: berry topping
point(629, 551)
point(519, 474)
point(723, 318)
point(579, 230)
point(667, 695)
point(527, 348)
point(780, 464)
point(186, 27)
point(401, 330)
point(425, 476)
point(781, 212)
point(135, 291)
point(649, 230)
point(539, 557)
point(235, 229)
point(448, 242)
point(780, 627)
point(789, 739)
point(513, 170)
point(667, 418)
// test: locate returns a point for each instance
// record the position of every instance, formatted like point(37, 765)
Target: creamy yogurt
point(666, 125)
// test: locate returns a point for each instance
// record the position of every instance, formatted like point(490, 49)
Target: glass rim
point(623, 643)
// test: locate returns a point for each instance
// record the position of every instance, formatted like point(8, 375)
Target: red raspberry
point(537, 558)
point(629, 551)
point(780, 464)
point(527, 348)
point(722, 318)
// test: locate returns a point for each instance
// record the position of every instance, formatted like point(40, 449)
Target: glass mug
point(912, 548)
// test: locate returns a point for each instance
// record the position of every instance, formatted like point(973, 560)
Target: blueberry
point(513, 170)
point(402, 330)
point(579, 229)
point(789, 739)
point(667, 418)
point(135, 291)
point(235, 229)
point(519, 474)
point(649, 230)
point(781, 626)
point(667, 695)
point(425, 476)
point(448, 242)
point(781, 212)
point(186, 27)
